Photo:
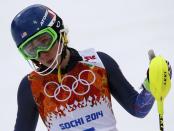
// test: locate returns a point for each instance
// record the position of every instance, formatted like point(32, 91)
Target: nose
point(43, 55)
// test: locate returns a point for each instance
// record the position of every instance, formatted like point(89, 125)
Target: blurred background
point(124, 29)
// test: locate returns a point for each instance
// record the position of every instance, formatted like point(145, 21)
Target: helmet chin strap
point(54, 64)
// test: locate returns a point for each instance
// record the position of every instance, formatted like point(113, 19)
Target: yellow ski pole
point(160, 82)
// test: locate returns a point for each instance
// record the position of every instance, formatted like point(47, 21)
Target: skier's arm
point(27, 115)
point(137, 104)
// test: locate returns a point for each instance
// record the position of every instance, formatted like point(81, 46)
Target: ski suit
point(82, 100)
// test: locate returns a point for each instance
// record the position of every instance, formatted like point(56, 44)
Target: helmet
point(32, 19)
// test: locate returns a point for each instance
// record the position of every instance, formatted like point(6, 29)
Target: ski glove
point(146, 84)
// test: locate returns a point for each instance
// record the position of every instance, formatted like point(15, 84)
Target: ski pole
point(160, 82)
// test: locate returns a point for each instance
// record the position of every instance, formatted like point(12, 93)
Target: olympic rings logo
point(66, 88)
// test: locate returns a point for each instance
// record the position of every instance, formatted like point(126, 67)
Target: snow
point(124, 29)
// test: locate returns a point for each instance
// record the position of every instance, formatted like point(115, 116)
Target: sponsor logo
point(58, 24)
point(87, 58)
point(44, 18)
point(62, 87)
point(82, 120)
point(165, 78)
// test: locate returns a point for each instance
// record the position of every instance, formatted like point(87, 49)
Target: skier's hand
point(146, 84)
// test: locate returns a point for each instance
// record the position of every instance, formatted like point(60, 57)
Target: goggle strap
point(59, 74)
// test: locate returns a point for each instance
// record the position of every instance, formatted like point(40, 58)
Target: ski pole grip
point(151, 54)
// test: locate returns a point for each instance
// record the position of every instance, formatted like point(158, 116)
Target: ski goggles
point(41, 41)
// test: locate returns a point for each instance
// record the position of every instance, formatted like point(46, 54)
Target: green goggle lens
point(41, 41)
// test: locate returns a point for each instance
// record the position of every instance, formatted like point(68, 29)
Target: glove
point(146, 84)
